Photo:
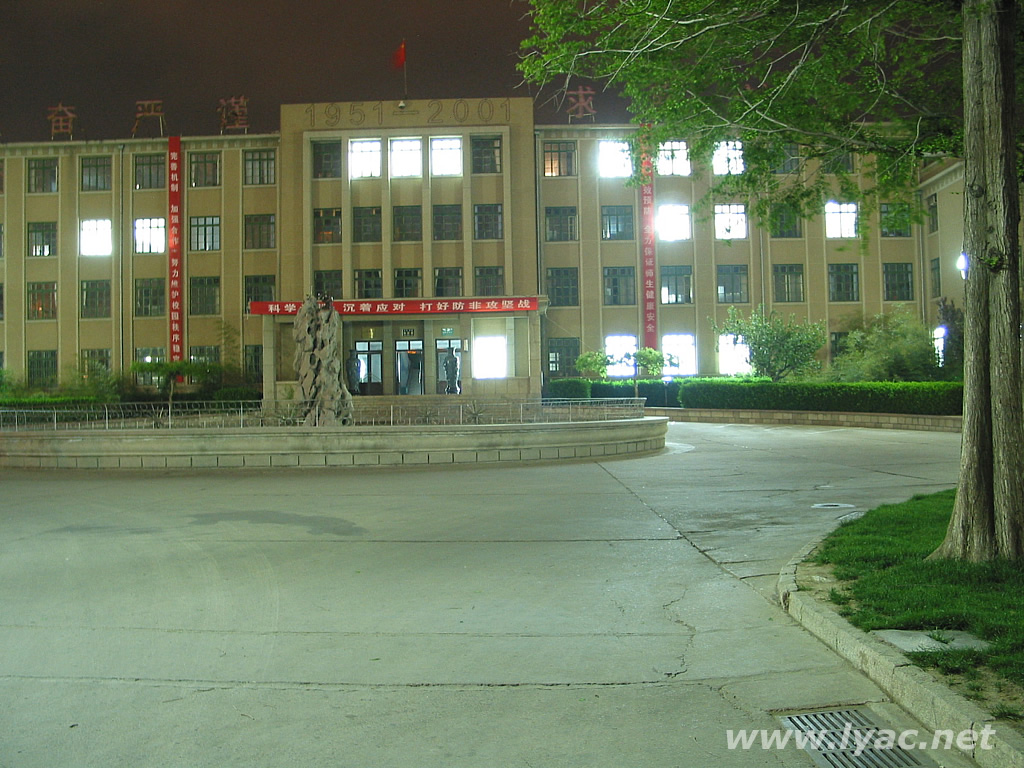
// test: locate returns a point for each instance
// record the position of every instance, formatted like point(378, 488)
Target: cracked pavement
point(614, 613)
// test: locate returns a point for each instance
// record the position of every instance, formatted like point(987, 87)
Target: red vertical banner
point(174, 260)
point(649, 263)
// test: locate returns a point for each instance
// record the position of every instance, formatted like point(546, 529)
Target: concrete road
point(600, 614)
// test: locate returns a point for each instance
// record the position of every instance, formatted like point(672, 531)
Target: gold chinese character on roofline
point(62, 121)
point(581, 103)
point(234, 114)
point(149, 109)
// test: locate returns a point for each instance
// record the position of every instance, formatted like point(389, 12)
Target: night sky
point(101, 56)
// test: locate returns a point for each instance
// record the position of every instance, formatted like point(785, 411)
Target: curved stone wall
point(331, 446)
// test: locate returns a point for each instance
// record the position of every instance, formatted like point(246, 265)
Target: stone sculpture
point(319, 366)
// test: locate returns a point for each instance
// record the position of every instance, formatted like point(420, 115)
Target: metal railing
point(281, 413)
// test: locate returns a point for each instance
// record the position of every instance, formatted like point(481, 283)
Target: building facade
point(438, 227)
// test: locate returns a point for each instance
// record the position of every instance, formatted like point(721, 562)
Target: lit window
point(676, 284)
point(672, 222)
point(840, 219)
point(406, 157)
point(939, 342)
point(490, 357)
point(613, 160)
point(559, 158)
point(150, 235)
point(680, 350)
point(673, 159)
point(733, 356)
point(730, 222)
point(727, 159)
point(364, 158)
point(96, 238)
point(617, 348)
point(732, 284)
point(446, 157)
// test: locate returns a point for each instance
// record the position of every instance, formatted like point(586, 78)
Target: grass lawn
point(886, 583)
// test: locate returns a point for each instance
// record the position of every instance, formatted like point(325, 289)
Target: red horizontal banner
point(403, 306)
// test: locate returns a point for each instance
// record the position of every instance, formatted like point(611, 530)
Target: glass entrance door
point(370, 355)
point(409, 366)
point(449, 367)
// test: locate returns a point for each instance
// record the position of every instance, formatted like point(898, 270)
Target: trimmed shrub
point(237, 393)
point(572, 389)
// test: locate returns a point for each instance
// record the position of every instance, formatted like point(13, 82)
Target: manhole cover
point(848, 738)
point(832, 505)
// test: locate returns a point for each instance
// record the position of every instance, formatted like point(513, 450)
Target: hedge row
point(659, 393)
point(941, 398)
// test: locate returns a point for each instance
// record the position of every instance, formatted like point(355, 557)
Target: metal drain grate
point(835, 736)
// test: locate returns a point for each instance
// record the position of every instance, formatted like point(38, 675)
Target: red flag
point(398, 57)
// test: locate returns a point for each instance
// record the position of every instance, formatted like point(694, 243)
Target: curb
point(932, 703)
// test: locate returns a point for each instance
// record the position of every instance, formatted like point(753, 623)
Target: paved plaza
point(606, 614)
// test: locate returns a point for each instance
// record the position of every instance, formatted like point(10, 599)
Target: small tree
point(171, 372)
point(647, 361)
point(593, 365)
point(890, 347)
point(777, 347)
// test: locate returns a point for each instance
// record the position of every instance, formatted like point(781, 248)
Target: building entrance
point(409, 367)
point(370, 356)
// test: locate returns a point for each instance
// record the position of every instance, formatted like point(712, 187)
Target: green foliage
point(169, 372)
point(573, 389)
point(933, 398)
point(657, 392)
point(593, 364)
point(237, 393)
point(952, 319)
point(890, 347)
point(876, 77)
point(778, 347)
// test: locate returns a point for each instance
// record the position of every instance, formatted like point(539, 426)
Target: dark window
point(408, 283)
point(616, 222)
point(42, 175)
point(1, 304)
point(898, 281)
point(841, 163)
point(204, 295)
point(327, 225)
point(677, 284)
point(895, 219)
point(42, 301)
point(447, 224)
point(42, 238)
point(791, 159)
point(619, 286)
point(559, 158)
point(448, 281)
point(366, 227)
point(486, 151)
point(369, 284)
point(42, 367)
point(253, 362)
point(95, 298)
point(95, 361)
point(150, 171)
point(836, 343)
point(789, 282)
point(204, 169)
point(786, 221)
point(562, 354)
point(489, 281)
point(327, 283)
point(259, 288)
point(150, 297)
point(260, 166)
point(732, 284)
point(95, 174)
point(260, 230)
point(204, 233)
point(326, 159)
point(843, 282)
point(932, 204)
point(488, 222)
point(408, 221)
point(936, 282)
point(563, 287)
point(560, 223)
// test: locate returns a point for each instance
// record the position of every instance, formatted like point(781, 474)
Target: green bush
point(237, 393)
point(573, 389)
point(658, 393)
point(930, 397)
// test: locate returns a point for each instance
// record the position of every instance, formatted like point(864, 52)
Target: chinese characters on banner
point(403, 306)
point(174, 281)
point(650, 277)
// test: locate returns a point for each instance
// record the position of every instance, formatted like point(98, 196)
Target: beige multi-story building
point(437, 226)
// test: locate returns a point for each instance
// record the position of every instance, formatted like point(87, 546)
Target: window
point(790, 159)
point(1, 235)
point(327, 283)
point(95, 298)
point(42, 238)
point(327, 225)
point(364, 158)
point(259, 288)
point(490, 357)
point(95, 238)
point(447, 224)
point(42, 301)
point(563, 287)
point(562, 354)
point(727, 159)
point(1, 187)
point(733, 356)
point(680, 350)
point(1, 305)
point(369, 284)
point(489, 281)
point(486, 154)
point(837, 343)
point(895, 219)
point(206, 353)
point(408, 223)
point(932, 205)
point(841, 163)
point(560, 223)
point(150, 297)
point(621, 350)
point(326, 159)
point(366, 224)
point(559, 158)
point(408, 283)
point(204, 233)
point(42, 367)
point(406, 158)
point(204, 169)
point(677, 284)
point(788, 280)
point(730, 221)
point(446, 157)
point(204, 295)
point(898, 281)
point(732, 284)
point(672, 222)
point(488, 222)
point(150, 171)
point(260, 230)
point(95, 361)
point(448, 281)
point(96, 174)
point(260, 166)
point(150, 235)
point(149, 355)
point(42, 175)
point(786, 221)
point(843, 282)
point(936, 278)
point(619, 286)
point(253, 363)
point(673, 159)
point(840, 219)
point(613, 160)
point(616, 222)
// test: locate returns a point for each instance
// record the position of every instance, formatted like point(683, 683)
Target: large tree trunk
point(988, 516)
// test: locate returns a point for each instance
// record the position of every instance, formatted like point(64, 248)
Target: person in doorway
point(451, 372)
